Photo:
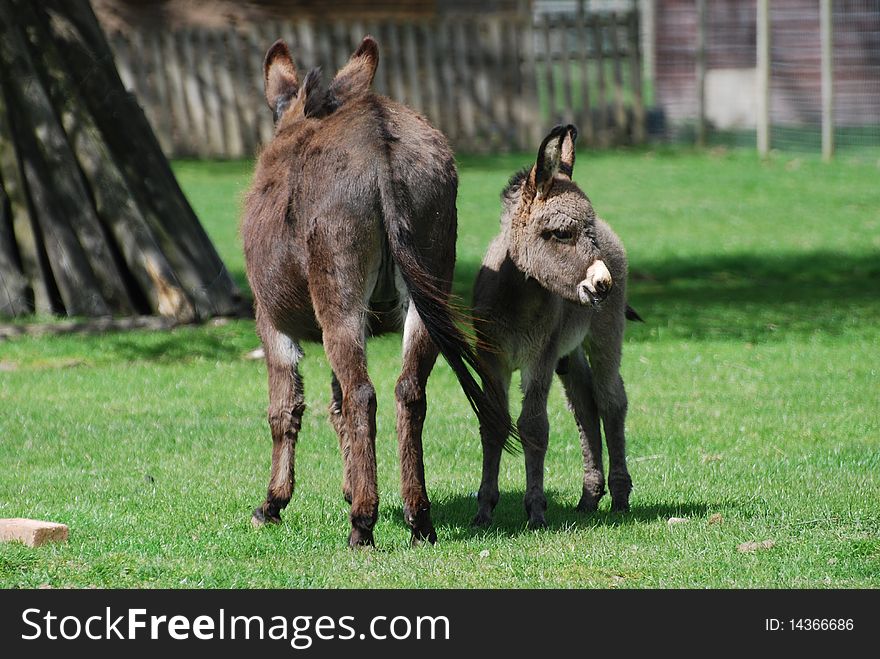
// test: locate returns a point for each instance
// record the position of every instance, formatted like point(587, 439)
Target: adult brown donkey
point(349, 228)
point(553, 282)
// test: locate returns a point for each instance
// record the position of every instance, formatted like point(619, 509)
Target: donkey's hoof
point(620, 505)
point(421, 526)
point(360, 538)
point(482, 520)
point(587, 504)
point(537, 523)
point(419, 538)
point(260, 518)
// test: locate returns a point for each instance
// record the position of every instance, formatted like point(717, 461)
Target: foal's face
point(553, 238)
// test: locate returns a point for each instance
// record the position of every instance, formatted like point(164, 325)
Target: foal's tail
point(439, 317)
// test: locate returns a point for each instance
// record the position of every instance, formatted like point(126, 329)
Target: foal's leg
point(419, 355)
point(286, 406)
point(335, 409)
point(578, 384)
point(493, 440)
point(606, 340)
point(534, 431)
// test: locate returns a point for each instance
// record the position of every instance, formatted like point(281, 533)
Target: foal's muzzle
point(595, 288)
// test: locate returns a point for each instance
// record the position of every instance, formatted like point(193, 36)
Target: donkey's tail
point(441, 319)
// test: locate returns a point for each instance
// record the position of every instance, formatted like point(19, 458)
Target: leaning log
point(92, 220)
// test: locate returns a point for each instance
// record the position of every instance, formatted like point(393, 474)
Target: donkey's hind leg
point(605, 352)
point(419, 356)
point(286, 407)
point(578, 383)
point(335, 409)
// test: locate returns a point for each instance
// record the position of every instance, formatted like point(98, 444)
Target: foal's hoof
point(588, 504)
point(537, 523)
point(260, 518)
point(359, 538)
point(620, 505)
point(482, 520)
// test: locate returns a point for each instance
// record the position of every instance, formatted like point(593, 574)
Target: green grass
point(753, 394)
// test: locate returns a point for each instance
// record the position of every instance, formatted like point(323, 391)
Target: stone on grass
point(32, 532)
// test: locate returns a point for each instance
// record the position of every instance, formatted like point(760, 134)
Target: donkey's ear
point(548, 162)
point(566, 159)
point(356, 76)
point(279, 77)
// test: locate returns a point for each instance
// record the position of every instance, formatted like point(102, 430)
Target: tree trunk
point(92, 220)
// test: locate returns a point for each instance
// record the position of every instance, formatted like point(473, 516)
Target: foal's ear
point(548, 162)
point(566, 159)
point(279, 77)
point(356, 77)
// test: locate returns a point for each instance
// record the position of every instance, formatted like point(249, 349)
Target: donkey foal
point(553, 284)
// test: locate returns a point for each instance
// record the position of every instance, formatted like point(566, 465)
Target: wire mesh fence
point(732, 76)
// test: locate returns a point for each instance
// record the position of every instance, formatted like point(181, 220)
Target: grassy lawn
point(753, 393)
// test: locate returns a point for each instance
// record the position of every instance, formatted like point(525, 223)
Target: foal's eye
point(562, 235)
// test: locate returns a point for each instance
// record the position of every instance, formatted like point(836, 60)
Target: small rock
point(677, 520)
point(484, 553)
point(255, 354)
point(32, 532)
point(832, 560)
point(752, 546)
point(716, 518)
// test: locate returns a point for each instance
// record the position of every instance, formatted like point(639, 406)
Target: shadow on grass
point(747, 297)
point(453, 515)
point(179, 346)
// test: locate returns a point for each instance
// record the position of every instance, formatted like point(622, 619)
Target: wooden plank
point(763, 73)
point(445, 64)
point(549, 73)
point(256, 52)
point(464, 85)
point(229, 115)
point(193, 92)
point(480, 73)
point(826, 29)
point(565, 25)
point(529, 114)
point(207, 61)
point(635, 60)
point(602, 100)
point(41, 296)
point(434, 105)
point(700, 73)
point(500, 64)
point(15, 295)
point(164, 120)
point(394, 63)
point(620, 118)
point(182, 131)
point(586, 115)
point(244, 95)
point(415, 98)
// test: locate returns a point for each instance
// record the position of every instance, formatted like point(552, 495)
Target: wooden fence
point(491, 83)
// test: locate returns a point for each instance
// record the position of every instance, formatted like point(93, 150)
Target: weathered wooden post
point(826, 25)
point(763, 78)
point(701, 73)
